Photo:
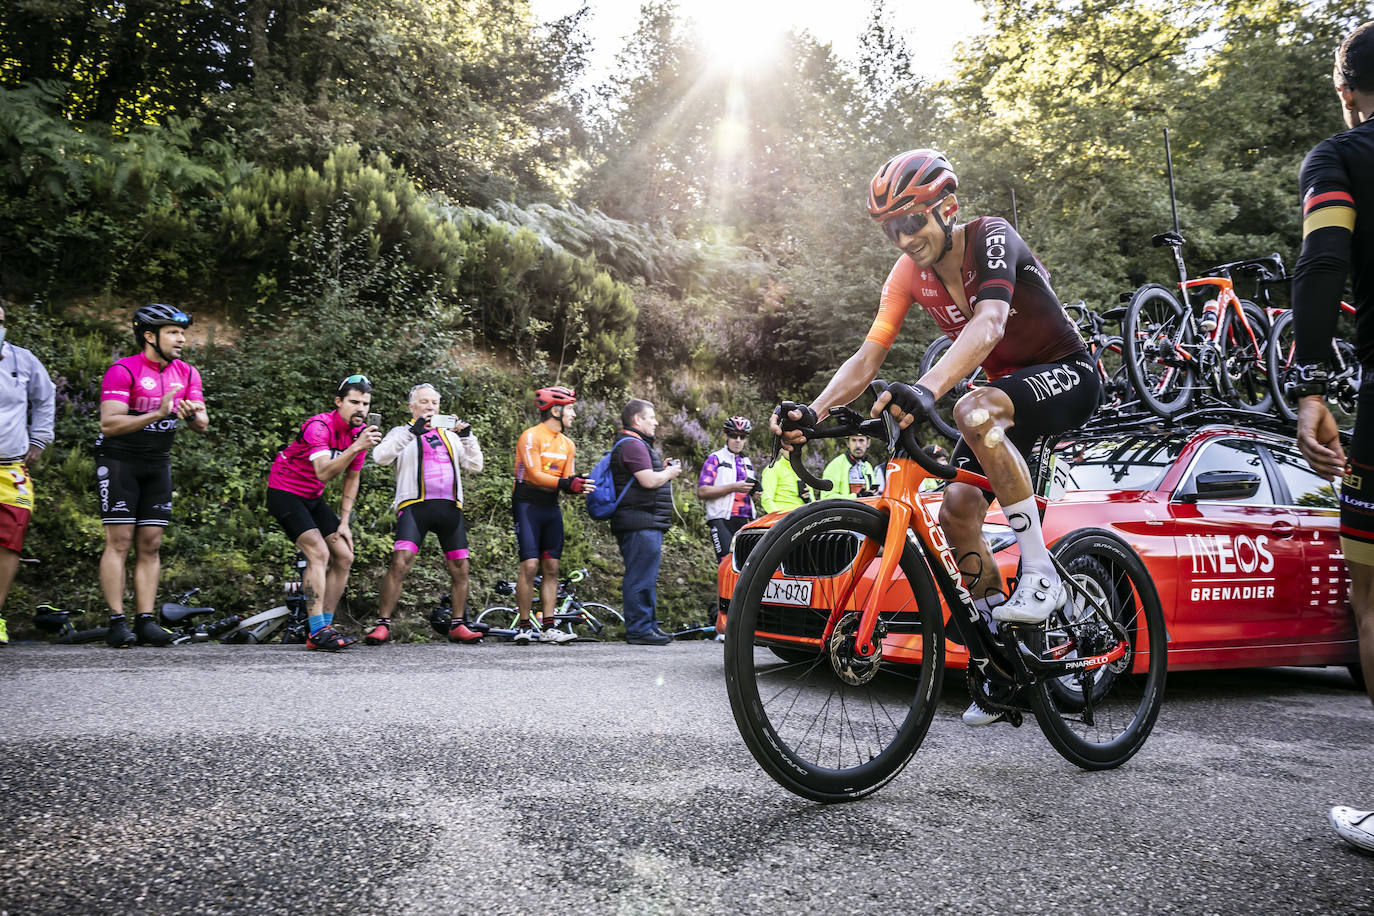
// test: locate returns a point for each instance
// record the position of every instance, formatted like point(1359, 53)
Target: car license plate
point(796, 592)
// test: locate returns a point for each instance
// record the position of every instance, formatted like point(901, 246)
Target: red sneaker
point(329, 639)
point(377, 635)
point(459, 631)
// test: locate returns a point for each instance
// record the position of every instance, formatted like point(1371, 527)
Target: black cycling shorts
point(538, 530)
point(1357, 486)
point(297, 515)
point(1046, 399)
point(134, 491)
point(443, 517)
point(723, 532)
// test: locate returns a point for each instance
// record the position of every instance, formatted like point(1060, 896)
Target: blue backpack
point(602, 502)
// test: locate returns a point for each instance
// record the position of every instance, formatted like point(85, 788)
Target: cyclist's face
point(172, 339)
point(924, 245)
point(353, 406)
point(568, 414)
point(424, 403)
point(735, 442)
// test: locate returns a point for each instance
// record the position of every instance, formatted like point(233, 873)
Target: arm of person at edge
point(326, 469)
point(983, 332)
point(350, 496)
point(43, 403)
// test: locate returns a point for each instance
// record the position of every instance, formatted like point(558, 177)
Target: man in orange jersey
point(543, 467)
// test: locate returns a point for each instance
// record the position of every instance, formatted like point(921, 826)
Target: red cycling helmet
point(738, 425)
point(910, 182)
point(545, 398)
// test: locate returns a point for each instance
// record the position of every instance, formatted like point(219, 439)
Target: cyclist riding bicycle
point(143, 398)
point(989, 294)
point(543, 469)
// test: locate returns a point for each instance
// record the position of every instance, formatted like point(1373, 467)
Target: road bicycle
point(1342, 390)
point(1106, 352)
point(57, 622)
point(583, 619)
point(835, 649)
point(291, 619)
point(942, 416)
point(180, 620)
point(1176, 357)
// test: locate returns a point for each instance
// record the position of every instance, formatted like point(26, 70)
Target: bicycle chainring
point(845, 661)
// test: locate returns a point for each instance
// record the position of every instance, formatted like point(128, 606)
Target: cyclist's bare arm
point(115, 419)
point(983, 332)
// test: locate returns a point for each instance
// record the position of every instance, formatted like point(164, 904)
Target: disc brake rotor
point(845, 661)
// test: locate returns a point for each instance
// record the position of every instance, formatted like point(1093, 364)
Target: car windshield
point(1127, 462)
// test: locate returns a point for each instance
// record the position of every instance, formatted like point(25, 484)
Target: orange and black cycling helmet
point(910, 182)
point(552, 396)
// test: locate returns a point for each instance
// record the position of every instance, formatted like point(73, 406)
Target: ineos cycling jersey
point(997, 265)
point(1337, 238)
point(140, 383)
point(293, 470)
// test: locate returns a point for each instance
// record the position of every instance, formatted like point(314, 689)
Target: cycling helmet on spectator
point(738, 425)
point(910, 182)
point(552, 396)
point(153, 317)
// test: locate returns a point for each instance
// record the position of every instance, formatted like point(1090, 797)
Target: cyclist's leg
point(16, 503)
point(1357, 530)
point(409, 535)
point(527, 544)
point(550, 552)
point(147, 566)
point(1362, 603)
point(118, 490)
point(453, 539)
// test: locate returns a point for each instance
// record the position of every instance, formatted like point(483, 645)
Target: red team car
point(1241, 539)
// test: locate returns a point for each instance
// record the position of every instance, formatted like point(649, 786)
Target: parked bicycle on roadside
point(586, 620)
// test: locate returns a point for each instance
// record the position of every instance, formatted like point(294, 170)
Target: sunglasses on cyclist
point(354, 380)
point(909, 224)
point(736, 436)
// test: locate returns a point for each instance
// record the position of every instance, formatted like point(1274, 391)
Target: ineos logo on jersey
point(997, 251)
point(1052, 381)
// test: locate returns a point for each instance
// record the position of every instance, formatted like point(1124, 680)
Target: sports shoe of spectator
point(149, 633)
point(377, 635)
point(120, 635)
point(459, 631)
point(329, 639)
point(551, 634)
point(523, 634)
point(653, 638)
point(1354, 826)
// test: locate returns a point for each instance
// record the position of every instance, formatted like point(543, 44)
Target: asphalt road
point(611, 779)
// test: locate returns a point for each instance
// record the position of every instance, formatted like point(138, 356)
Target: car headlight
point(999, 537)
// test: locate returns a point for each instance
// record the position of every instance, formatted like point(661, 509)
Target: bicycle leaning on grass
point(835, 650)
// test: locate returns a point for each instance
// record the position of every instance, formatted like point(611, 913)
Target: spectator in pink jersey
point(428, 454)
point(141, 401)
point(327, 445)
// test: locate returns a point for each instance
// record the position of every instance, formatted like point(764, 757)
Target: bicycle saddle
point(175, 613)
point(1115, 314)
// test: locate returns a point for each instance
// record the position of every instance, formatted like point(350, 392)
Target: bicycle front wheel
point(1156, 337)
point(1099, 718)
point(597, 621)
point(1245, 349)
point(499, 617)
point(824, 722)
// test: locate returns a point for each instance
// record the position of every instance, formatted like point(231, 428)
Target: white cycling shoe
point(1355, 827)
point(976, 716)
point(1036, 598)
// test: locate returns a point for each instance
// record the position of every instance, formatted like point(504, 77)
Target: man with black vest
point(644, 513)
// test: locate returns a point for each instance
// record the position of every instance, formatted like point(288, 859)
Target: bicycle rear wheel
point(1245, 372)
point(1163, 377)
point(1098, 719)
point(499, 617)
point(823, 722)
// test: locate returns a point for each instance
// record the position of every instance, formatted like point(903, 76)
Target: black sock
point(116, 618)
point(384, 621)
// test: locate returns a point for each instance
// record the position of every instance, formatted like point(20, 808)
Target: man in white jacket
point(428, 454)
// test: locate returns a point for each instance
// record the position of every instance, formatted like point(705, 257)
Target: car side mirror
point(1224, 485)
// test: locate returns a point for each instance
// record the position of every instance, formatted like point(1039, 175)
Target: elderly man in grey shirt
point(27, 407)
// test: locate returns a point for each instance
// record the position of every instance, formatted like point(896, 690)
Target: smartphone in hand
point(374, 419)
point(443, 421)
